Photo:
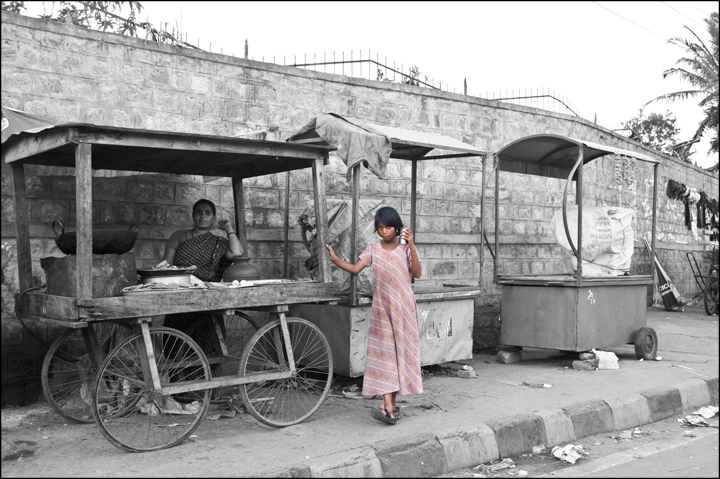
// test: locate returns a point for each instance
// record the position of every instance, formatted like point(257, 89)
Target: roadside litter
point(697, 419)
point(627, 435)
point(596, 360)
point(606, 359)
point(495, 466)
point(570, 453)
point(537, 385)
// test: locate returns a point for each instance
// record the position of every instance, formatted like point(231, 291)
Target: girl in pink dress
point(392, 363)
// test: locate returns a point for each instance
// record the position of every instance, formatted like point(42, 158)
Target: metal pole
point(482, 218)
point(413, 200)
point(496, 165)
point(654, 217)
point(578, 201)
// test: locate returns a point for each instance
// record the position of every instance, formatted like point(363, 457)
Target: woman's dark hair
point(389, 217)
point(204, 201)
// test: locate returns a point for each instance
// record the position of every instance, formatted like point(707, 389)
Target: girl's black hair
point(204, 201)
point(389, 217)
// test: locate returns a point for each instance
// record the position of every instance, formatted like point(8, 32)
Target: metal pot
point(241, 269)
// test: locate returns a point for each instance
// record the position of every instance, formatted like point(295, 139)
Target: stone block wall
point(73, 74)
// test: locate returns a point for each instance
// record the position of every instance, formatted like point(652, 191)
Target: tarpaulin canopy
point(15, 122)
point(357, 141)
point(554, 155)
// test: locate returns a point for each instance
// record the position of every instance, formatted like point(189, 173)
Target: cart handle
point(564, 209)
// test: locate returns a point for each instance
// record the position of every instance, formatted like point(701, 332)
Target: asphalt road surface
point(661, 449)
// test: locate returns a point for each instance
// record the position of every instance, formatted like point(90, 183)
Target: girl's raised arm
point(350, 268)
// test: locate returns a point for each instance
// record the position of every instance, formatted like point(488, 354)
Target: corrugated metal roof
point(554, 155)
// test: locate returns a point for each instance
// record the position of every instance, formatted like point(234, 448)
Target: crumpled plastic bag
point(570, 453)
point(608, 360)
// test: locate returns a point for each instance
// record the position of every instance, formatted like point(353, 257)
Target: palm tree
point(700, 69)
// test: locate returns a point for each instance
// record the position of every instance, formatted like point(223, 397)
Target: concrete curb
point(455, 449)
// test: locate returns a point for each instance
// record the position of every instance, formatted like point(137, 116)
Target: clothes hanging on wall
point(706, 207)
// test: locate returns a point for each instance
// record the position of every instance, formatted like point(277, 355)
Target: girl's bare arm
point(350, 268)
point(416, 269)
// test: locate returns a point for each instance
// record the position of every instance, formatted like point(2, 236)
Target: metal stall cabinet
point(570, 312)
point(445, 313)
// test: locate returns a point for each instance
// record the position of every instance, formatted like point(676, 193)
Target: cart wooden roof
point(131, 149)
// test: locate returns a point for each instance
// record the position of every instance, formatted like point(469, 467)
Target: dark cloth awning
point(554, 155)
point(358, 141)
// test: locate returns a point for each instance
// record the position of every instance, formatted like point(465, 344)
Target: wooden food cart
point(445, 313)
point(152, 389)
point(571, 312)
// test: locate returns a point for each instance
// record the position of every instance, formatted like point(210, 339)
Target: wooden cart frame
point(87, 147)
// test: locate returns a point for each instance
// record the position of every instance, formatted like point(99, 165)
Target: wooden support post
point(321, 219)
point(147, 357)
point(287, 224)
point(239, 199)
point(91, 343)
point(83, 189)
point(353, 229)
point(22, 227)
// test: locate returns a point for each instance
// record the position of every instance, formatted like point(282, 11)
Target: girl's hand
point(333, 256)
point(407, 235)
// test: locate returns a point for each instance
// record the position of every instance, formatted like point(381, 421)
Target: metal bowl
point(105, 241)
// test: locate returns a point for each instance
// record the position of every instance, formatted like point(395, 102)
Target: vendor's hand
point(224, 225)
point(333, 256)
point(407, 235)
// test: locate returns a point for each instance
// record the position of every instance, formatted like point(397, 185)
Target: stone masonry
point(78, 75)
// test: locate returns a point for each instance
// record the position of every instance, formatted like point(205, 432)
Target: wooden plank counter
point(47, 307)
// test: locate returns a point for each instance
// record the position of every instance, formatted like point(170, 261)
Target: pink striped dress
point(392, 363)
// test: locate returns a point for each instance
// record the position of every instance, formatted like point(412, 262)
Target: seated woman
point(199, 247)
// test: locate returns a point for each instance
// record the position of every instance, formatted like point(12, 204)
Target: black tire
point(711, 292)
point(646, 343)
point(285, 402)
point(68, 371)
point(126, 408)
point(236, 329)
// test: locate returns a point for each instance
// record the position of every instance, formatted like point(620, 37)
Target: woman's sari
point(207, 252)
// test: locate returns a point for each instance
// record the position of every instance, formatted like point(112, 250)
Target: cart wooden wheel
point(711, 291)
point(68, 371)
point(646, 343)
point(236, 329)
point(288, 401)
point(126, 408)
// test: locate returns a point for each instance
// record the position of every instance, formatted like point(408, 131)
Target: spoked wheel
point(284, 402)
point(236, 330)
point(68, 371)
point(711, 292)
point(129, 412)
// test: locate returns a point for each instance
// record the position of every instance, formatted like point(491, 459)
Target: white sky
point(602, 63)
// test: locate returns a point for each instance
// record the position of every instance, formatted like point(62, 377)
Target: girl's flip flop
point(386, 418)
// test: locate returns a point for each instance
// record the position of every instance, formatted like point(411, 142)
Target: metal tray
point(145, 272)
